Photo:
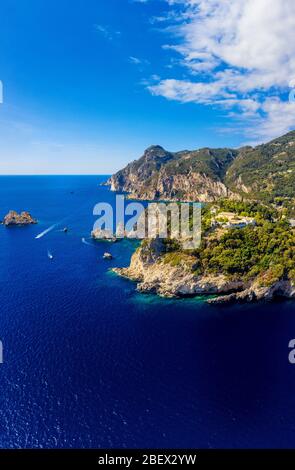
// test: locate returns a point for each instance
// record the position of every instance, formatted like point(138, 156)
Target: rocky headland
point(247, 251)
point(155, 271)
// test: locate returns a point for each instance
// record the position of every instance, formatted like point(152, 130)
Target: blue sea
point(90, 363)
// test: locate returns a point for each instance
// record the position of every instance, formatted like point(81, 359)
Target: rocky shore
point(14, 218)
point(256, 292)
point(151, 272)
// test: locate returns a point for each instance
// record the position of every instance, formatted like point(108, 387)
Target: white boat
point(107, 256)
point(50, 255)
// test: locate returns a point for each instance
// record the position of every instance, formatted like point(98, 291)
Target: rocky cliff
point(153, 274)
point(263, 173)
point(186, 176)
point(256, 292)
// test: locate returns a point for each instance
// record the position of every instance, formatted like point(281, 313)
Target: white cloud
point(278, 118)
point(136, 61)
point(106, 32)
point(240, 54)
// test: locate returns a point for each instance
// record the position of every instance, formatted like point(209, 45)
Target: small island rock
point(13, 218)
point(106, 235)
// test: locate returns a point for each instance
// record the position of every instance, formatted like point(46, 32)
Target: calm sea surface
point(88, 362)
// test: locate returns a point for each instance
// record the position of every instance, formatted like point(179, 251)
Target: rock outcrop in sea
point(103, 235)
point(14, 218)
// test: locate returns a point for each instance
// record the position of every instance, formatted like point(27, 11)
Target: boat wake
point(86, 242)
point(42, 234)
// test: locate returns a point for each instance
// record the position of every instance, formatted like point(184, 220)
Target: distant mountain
point(265, 172)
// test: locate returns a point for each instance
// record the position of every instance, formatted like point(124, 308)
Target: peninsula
point(248, 236)
point(247, 251)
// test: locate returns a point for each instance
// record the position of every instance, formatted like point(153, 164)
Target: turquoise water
point(89, 362)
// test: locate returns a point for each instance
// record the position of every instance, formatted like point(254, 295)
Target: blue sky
point(88, 85)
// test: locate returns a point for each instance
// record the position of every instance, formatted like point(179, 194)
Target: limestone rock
point(13, 218)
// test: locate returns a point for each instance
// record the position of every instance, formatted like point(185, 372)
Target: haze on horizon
point(87, 88)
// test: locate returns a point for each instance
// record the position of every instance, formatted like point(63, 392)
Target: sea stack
point(13, 218)
point(103, 235)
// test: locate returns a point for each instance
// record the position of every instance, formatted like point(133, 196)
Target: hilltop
point(265, 173)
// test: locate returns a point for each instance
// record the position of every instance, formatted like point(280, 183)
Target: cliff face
point(188, 176)
point(262, 173)
point(256, 292)
point(139, 176)
point(153, 274)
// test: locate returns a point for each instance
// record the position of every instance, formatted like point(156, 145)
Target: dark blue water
point(88, 362)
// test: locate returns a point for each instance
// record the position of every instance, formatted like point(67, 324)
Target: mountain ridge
point(264, 173)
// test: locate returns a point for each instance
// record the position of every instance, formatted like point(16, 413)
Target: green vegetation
point(174, 258)
point(265, 173)
point(260, 183)
point(250, 252)
point(268, 171)
point(249, 209)
point(211, 162)
point(265, 252)
point(254, 210)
